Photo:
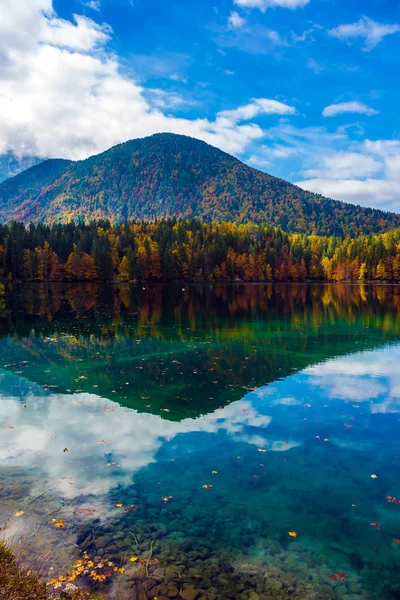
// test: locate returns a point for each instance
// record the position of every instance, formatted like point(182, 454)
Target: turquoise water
point(223, 420)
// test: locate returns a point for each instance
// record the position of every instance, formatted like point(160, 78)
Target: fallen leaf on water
point(133, 558)
point(375, 524)
point(19, 513)
point(392, 500)
point(207, 486)
point(119, 505)
point(214, 472)
point(292, 534)
point(101, 442)
point(261, 450)
point(65, 450)
point(60, 524)
point(396, 541)
point(373, 476)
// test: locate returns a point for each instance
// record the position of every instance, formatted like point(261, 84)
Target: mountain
point(169, 175)
point(11, 165)
point(18, 195)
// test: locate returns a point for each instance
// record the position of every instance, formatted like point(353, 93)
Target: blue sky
point(303, 89)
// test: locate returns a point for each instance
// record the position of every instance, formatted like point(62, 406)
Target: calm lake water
point(226, 442)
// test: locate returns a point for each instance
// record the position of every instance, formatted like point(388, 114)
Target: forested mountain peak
point(168, 175)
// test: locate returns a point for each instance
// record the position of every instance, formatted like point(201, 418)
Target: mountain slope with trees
point(18, 195)
point(11, 165)
point(169, 175)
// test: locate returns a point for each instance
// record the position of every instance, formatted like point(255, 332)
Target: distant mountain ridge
point(168, 175)
point(11, 165)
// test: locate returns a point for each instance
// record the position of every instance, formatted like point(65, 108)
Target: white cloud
point(348, 107)
point(166, 100)
point(372, 32)
point(348, 176)
point(235, 20)
point(264, 4)
point(345, 165)
point(93, 4)
point(62, 92)
point(314, 66)
point(380, 193)
point(258, 162)
point(84, 36)
point(256, 107)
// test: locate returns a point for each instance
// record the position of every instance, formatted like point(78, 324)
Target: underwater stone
point(189, 593)
point(172, 591)
point(273, 584)
point(158, 574)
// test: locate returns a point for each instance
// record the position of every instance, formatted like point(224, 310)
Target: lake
point(203, 442)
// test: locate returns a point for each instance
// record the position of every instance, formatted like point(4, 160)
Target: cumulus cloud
point(371, 31)
point(369, 192)
point(235, 20)
point(349, 176)
point(348, 107)
point(345, 165)
point(256, 107)
point(63, 92)
point(264, 4)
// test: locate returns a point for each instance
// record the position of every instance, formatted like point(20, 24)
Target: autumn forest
point(191, 251)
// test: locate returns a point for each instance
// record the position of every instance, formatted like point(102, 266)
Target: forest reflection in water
point(193, 348)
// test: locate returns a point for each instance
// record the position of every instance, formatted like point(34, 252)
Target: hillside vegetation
point(172, 176)
point(18, 195)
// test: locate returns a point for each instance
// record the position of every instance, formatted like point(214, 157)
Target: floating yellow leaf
point(292, 534)
point(374, 476)
point(133, 558)
point(261, 450)
point(60, 524)
point(19, 513)
point(119, 505)
point(214, 472)
point(207, 486)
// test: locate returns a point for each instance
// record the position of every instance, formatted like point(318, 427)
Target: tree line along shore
point(191, 250)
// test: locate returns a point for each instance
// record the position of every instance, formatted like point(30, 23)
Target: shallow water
point(282, 400)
